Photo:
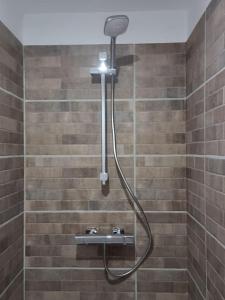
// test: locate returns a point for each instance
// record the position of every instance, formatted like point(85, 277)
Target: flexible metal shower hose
point(137, 206)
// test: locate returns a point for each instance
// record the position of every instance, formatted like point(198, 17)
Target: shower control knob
point(91, 230)
point(118, 230)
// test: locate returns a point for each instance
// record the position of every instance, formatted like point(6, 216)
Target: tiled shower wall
point(206, 155)
point(11, 166)
point(63, 192)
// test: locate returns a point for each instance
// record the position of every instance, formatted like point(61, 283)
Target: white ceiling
point(68, 6)
point(27, 18)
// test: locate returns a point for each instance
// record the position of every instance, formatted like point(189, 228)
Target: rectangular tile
point(160, 70)
point(11, 188)
point(50, 239)
point(215, 269)
point(196, 254)
point(195, 131)
point(11, 62)
point(11, 125)
point(67, 128)
point(72, 183)
point(11, 251)
point(195, 188)
point(193, 290)
point(161, 182)
point(215, 24)
point(63, 72)
point(160, 127)
point(195, 57)
point(165, 284)
point(15, 290)
point(169, 241)
point(75, 285)
point(215, 196)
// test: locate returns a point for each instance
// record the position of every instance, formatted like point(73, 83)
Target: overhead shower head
point(116, 25)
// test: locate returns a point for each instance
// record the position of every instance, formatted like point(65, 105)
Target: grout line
point(104, 211)
point(97, 100)
point(121, 155)
point(11, 94)
point(204, 173)
point(24, 187)
point(10, 220)
point(11, 283)
point(75, 155)
point(101, 268)
point(74, 100)
point(135, 171)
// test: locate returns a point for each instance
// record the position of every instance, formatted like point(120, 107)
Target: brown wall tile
point(195, 133)
point(50, 239)
point(195, 188)
point(156, 284)
point(64, 183)
point(160, 71)
point(11, 166)
point(63, 72)
point(161, 184)
point(11, 251)
point(195, 57)
point(169, 240)
point(11, 62)
point(160, 127)
point(197, 253)
point(15, 290)
point(67, 128)
point(215, 24)
point(72, 183)
point(75, 284)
